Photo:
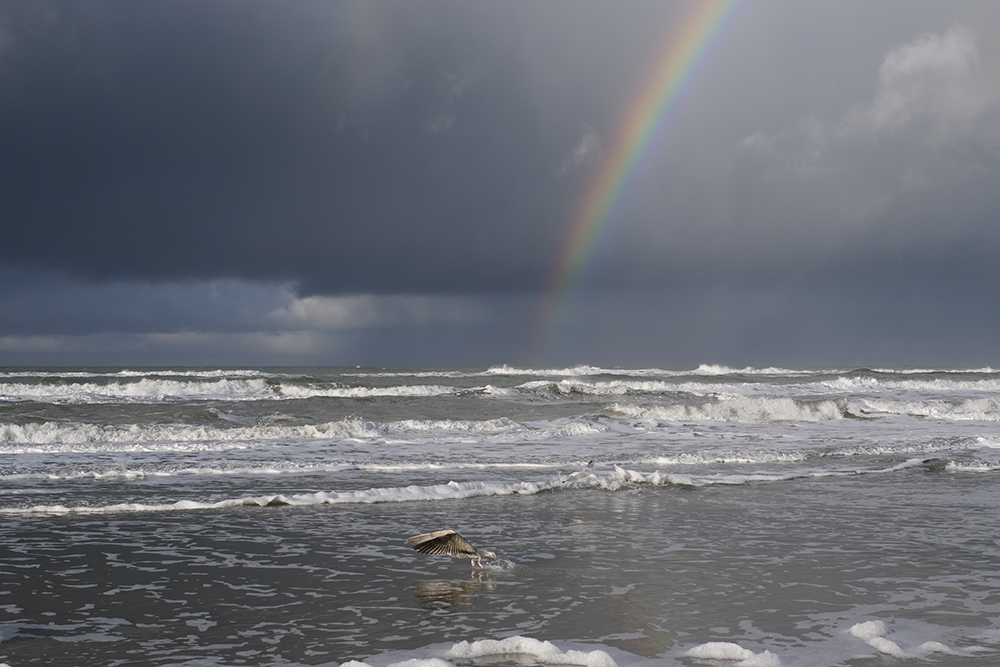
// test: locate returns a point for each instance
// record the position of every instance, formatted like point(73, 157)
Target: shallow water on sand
point(654, 571)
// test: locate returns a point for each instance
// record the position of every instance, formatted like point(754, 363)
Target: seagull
point(450, 543)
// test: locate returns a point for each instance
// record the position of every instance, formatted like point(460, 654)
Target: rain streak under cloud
point(365, 182)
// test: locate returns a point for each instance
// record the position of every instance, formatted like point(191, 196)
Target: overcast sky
point(379, 182)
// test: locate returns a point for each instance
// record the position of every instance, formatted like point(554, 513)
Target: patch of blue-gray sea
point(259, 516)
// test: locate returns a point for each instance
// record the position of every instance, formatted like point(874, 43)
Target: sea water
point(750, 517)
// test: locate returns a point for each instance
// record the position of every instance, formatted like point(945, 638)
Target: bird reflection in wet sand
point(438, 594)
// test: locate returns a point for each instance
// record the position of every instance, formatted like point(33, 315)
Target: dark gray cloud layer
point(350, 146)
point(347, 181)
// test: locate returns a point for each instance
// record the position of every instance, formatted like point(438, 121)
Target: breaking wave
point(137, 436)
point(449, 491)
point(616, 480)
point(933, 385)
point(763, 410)
point(82, 437)
point(143, 391)
point(973, 409)
point(155, 390)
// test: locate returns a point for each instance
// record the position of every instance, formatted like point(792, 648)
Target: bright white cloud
point(935, 82)
point(222, 321)
point(931, 91)
point(352, 312)
point(587, 150)
point(256, 342)
point(933, 126)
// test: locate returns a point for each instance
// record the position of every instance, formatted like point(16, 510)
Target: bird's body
point(448, 543)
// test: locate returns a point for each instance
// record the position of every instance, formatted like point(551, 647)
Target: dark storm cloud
point(441, 146)
point(49, 304)
point(50, 319)
point(379, 182)
point(348, 146)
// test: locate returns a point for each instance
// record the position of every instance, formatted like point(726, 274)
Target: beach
point(259, 516)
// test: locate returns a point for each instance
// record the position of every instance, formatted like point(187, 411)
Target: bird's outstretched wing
point(444, 542)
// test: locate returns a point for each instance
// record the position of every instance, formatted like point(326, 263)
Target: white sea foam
point(925, 371)
point(990, 466)
point(623, 476)
point(294, 391)
point(759, 410)
point(483, 427)
point(613, 388)
point(616, 480)
point(490, 390)
point(703, 369)
point(145, 390)
point(706, 457)
point(716, 369)
point(414, 374)
point(573, 429)
point(281, 468)
point(541, 652)
point(412, 662)
point(172, 386)
point(125, 447)
point(986, 408)
point(156, 390)
point(574, 371)
point(506, 371)
point(449, 491)
point(81, 437)
point(135, 437)
point(733, 654)
point(874, 634)
point(904, 449)
point(529, 651)
point(933, 385)
point(158, 372)
point(877, 635)
point(522, 649)
point(141, 473)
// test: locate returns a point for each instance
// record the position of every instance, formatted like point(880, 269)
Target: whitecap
point(734, 654)
point(291, 391)
point(145, 390)
point(59, 436)
point(449, 491)
point(743, 409)
point(543, 652)
point(877, 634)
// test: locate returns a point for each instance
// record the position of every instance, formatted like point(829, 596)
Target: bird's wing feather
point(427, 537)
point(444, 542)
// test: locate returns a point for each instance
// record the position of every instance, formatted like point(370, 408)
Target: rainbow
point(636, 134)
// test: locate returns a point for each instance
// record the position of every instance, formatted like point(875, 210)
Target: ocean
point(754, 517)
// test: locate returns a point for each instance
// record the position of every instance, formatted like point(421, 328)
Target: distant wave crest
point(449, 491)
point(760, 410)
